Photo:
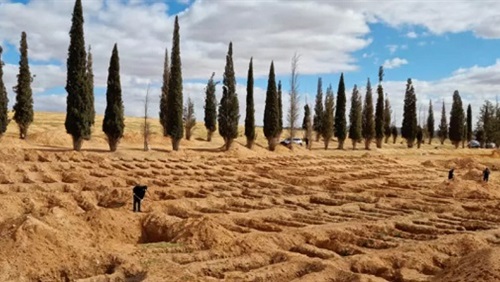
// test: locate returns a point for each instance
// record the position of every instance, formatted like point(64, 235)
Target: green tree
point(327, 120)
point(189, 118)
point(79, 109)
point(409, 127)
point(175, 100)
point(340, 124)
point(368, 126)
point(486, 122)
point(229, 108)
point(420, 136)
point(379, 110)
point(394, 131)
point(90, 80)
point(164, 95)
point(23, 109)
point(4, 100)
point(271, 111)
point(430, 122)
point(456, 120)
point(355, 117)
point(250, 114)
point(307, 126)
point(280, 111)
point(469, 123)
point(113, 123)
point(443, 126)
point(318, 110)
point(387, 119)
point(210, 108)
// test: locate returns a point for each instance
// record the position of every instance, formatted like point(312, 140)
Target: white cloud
point(392, 48)
point(394, 63)
point(412, 34)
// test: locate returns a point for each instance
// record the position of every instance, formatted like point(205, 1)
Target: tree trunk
point(418, 144)
point(456, 143)
point(22, 132)
point(463, 144)
point(379, 143)
point(250, 143)
point(354, 142)
point(188, 134)
point(317, 136)
point(271, 143)
point(77, 143)
point(386, 140)
point(227, 143)
point(367, 144)
point(394, 139)
point(341, 144)
point(113, 145)
point(442, 141)
point(326, 141)
point(209, 135)
point(175, 144)
point(410, 143)
point(146, 145)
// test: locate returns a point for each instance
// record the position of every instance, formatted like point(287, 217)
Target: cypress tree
point(486, 122)
point(420, 136)
point(229, 108)
point(469, 123)
point(210, 108)
point(189, 118)
point(443, 126)
point(328, 120)
point(174, 99)
point(394, 131)
point(113, 124)
point(4, 100)
point(78, 121)
point(271, 111)
point(409, 127)
point(464, 134)
point(307, 126)
point(90, 81)
point(456, 120)
point(430, 122)
point(250, 115)
point(355, 116)
point(368, 126)
point(387, 119)
point(164, 95)
point(280, 111)
point(318, 110)
point(379, 110)
point(340, 120)
point(24, 98)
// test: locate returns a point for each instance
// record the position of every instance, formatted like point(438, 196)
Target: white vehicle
point(287, 141)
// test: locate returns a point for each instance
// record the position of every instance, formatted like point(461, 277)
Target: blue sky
point(441, 50)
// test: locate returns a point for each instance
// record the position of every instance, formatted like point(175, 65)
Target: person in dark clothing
point(139, 193)
point(486, 174)
point(450, 174)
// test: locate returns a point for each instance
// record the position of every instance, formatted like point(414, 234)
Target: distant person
point(139, 193)
point(486, 174)
point(450, 174)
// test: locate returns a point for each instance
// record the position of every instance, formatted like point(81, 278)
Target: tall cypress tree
point(469, 123)
point(210, 108)
point(4, 100)
point(340, 120)
point(387, 119)
point(189, 118)
point(456, 120)
point(379, 110)
point(164, 95)
point(328, 120)
point(355, 116)
point(78, 121)
point(280, 111)
point(409, 127)
point(113, 124)
point(24, 98)
point(368, 126)
point(419, 136)
point(271, 111)
point(175, 102)
point(90, 81)
point(250, 115)
point(394, 133)
point(318, 110)
point(229, 108)
point(430, 122)
point(443, 126)
point(307, 126)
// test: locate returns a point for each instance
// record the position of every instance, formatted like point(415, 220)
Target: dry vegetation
point(242, 215)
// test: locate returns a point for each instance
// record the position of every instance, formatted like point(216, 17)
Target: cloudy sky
point(442, 45)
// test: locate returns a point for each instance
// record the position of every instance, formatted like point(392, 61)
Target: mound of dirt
point(429, 163)
point(481, 265)
point(473, 174)
point(465, 189)
point(462, 163)
point(495, 154)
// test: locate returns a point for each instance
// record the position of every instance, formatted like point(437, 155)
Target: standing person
point(486, 174)
point(139, 193)
point(450, 174)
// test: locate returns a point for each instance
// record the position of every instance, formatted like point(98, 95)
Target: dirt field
point(242, 215)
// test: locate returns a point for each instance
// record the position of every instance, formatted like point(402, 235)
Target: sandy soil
point(244, 215)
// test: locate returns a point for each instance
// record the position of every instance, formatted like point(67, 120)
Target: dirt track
point(244, 215)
